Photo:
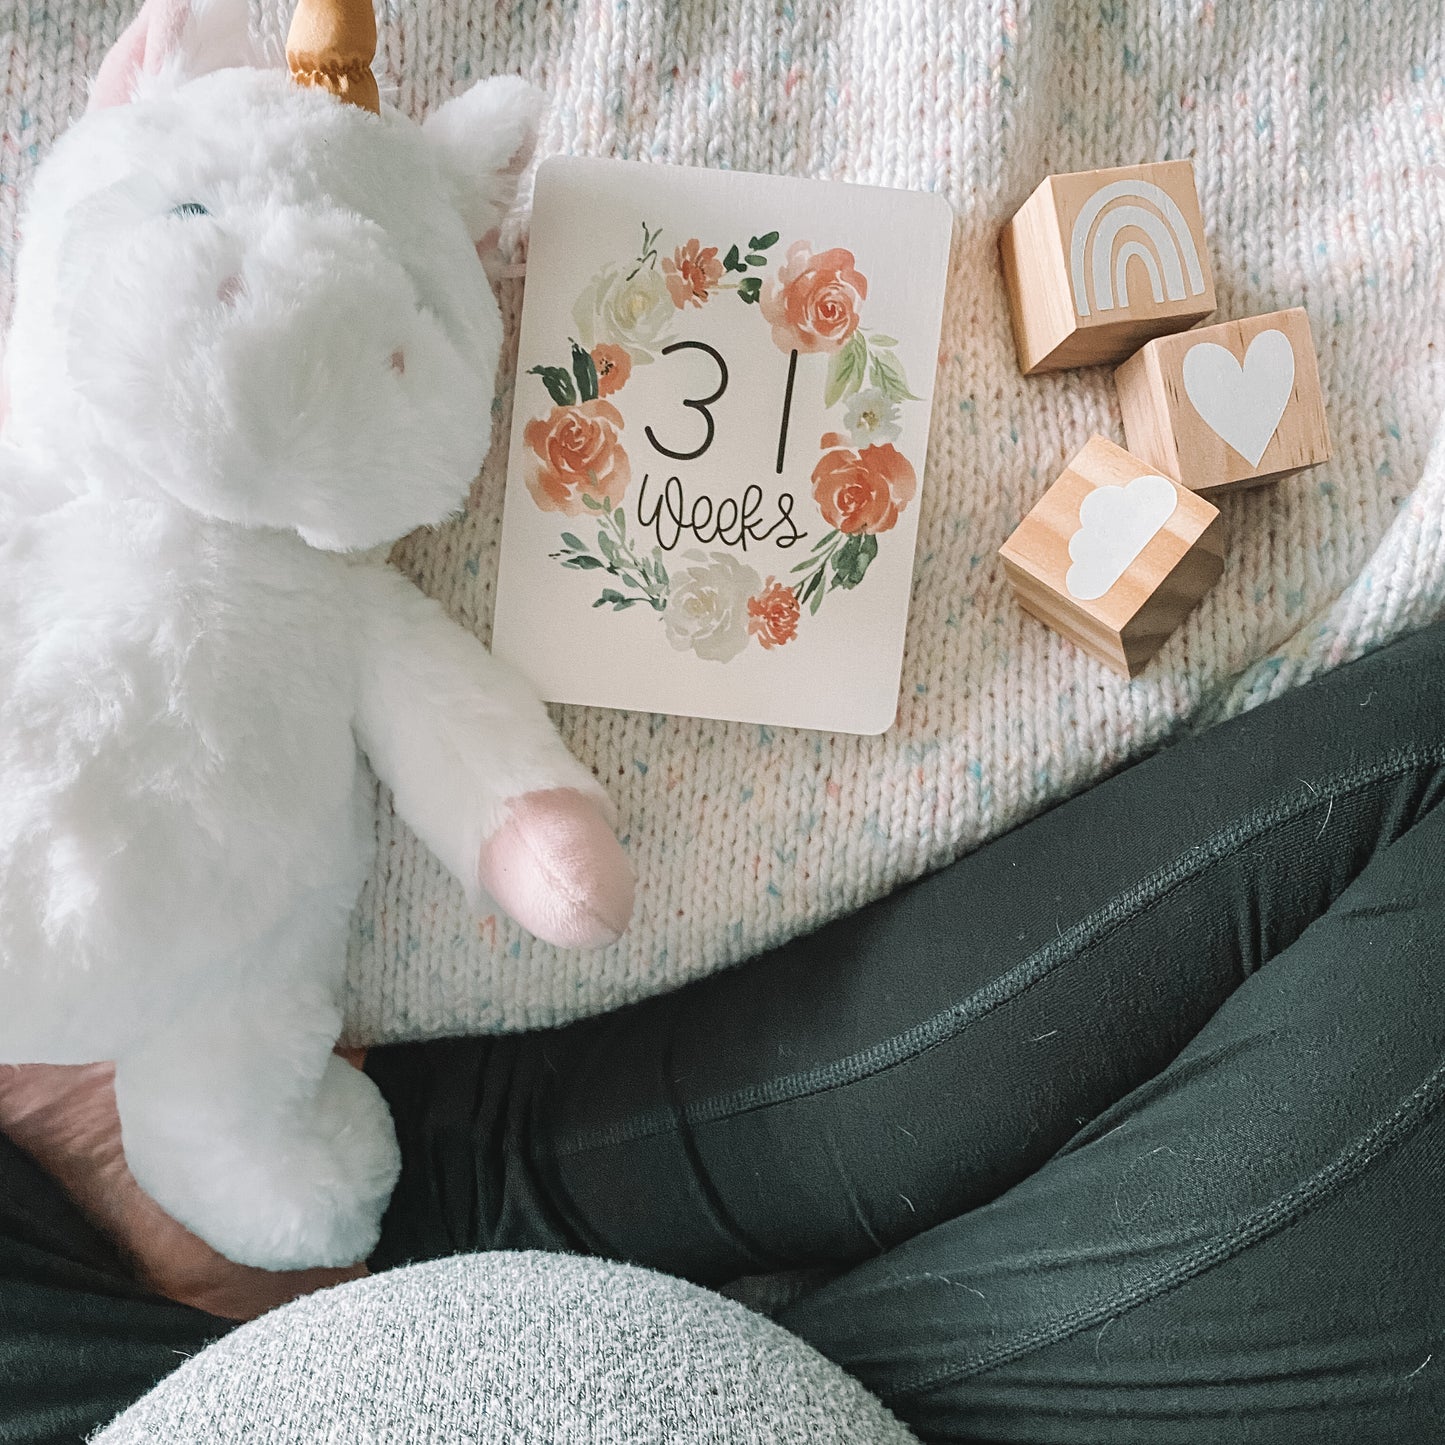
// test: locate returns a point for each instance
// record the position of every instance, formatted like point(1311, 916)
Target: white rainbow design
point(1104, 260)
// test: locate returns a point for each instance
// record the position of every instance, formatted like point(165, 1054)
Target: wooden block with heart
point(1097, 262)
point(1114, 555)
point(1229, 406)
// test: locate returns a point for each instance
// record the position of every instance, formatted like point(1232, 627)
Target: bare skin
point(65, 1118)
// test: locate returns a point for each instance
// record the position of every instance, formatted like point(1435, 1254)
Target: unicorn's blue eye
point(189, 208)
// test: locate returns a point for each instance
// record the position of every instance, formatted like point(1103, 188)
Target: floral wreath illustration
point(576, 464)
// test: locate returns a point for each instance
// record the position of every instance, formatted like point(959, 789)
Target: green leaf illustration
point(585, 370)
point(753, 260)
point(618, 600)
point(648, 254)
point(888, 377)
point(845, 370)
point(749, 288)
point(761, 243)
point(557, 382)
point(731, 261)
point(590, 502)
point(645, 575)
point(850, 561)
point(879, 339)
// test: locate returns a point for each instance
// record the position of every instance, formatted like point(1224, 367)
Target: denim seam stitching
point(943, 1027)
point(1278, 1215)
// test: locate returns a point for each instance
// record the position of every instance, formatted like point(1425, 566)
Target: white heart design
point(1243, 404)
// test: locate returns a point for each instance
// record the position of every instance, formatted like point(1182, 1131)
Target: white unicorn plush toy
point(253, 341)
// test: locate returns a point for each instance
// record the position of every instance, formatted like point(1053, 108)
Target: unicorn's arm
point(477, 769)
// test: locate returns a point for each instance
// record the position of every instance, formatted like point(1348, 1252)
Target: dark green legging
point(1125, 1128)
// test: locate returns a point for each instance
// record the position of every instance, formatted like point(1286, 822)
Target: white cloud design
point(1115, 526)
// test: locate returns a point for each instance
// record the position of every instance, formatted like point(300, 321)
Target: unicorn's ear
point(485, 137)
point(187, 37)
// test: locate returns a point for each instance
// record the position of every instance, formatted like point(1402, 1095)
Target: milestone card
point(718, 438)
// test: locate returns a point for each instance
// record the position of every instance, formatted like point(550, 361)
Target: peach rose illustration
point(863, 491)
point(576, 452)
point(691, 273)
point(613, 365)
point(773, 614)
point(812, 303)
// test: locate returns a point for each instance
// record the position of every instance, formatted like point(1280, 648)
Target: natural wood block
point(1097, 262)
point(1114, 555)
point(1227, 406)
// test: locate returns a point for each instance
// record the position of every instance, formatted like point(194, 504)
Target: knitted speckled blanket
point(1320, 144)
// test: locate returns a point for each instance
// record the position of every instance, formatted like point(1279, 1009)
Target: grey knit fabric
point(502, 1348)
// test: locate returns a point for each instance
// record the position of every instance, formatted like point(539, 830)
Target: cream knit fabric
point(1319, 138)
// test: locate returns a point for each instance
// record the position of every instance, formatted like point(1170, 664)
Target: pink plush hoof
point(556, 868)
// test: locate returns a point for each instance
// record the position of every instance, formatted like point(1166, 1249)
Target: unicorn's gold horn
point(330, 45)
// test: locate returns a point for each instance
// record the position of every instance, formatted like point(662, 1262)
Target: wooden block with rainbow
point(1098, 262)
point(1114, 555)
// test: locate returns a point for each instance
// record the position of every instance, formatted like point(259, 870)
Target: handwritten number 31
point(701, 404)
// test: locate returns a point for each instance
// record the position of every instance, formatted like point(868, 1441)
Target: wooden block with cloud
point(1114, 556)
point(1227, 406)
point(1097, 262)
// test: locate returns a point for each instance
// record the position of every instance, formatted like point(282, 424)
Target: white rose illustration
point(707, 606)
point(632, 312)
point(871, 418)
